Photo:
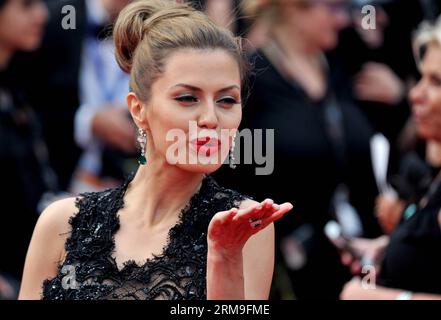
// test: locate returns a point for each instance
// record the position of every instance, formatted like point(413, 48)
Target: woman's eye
point(28, 3)
point(436, 81)
point(228, 101)
point(186, 99)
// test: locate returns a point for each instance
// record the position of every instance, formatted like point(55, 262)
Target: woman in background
point(22, 152)
point(412, 258)
point(321, 139)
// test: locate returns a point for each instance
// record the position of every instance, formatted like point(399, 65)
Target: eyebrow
point(199, 89)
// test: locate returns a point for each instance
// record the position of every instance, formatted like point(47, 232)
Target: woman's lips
point(206, 145)
point(419, 116)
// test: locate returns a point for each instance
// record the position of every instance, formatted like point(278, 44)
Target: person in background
point(102, 125)
point(321, 141)
point(68, 67)
point(225, 13)
point(408, 186)
point(382, 66)
point(24, 169)
point(411, 261)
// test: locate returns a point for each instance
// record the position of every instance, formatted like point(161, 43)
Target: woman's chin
point(200, 168)
point(31, 43)
point(424, 133)
point(427, 134)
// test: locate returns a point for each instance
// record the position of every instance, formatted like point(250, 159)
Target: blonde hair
point(426, 34)
point(266, 9)
point(146, 32)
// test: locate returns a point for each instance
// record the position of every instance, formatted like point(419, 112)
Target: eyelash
point(192, 99)
point(186, 98)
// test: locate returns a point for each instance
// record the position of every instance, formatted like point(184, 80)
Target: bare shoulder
point(56, 216)
point(46, 249)
point(53, 224)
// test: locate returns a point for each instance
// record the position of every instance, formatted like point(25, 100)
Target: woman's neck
point(294, 44)
point(298, 60)
point(159, 192)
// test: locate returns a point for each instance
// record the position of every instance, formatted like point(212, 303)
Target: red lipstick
point(206, 145)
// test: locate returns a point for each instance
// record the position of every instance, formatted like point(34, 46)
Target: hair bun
point(129, 29)
point(136, 20)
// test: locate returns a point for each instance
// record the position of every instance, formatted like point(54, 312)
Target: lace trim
point(177, 273)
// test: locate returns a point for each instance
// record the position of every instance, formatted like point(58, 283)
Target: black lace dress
point(90, 271)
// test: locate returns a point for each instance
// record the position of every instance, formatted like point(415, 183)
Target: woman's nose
point(208, 117)
point(343, 18)
point(41, 13)
point(416, 94)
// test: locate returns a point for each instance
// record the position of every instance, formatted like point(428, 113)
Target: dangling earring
point(231, 155)
point(142, 139)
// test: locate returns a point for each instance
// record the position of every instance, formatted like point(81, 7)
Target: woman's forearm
point(426, 296)
point(383, 293)
point(392, 294)
point(225, 280)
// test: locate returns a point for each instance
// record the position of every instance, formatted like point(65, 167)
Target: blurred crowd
point(338, 81)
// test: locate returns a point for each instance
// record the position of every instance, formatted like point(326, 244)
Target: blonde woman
point(170, 232)
point(412, 259)
point(321, 138)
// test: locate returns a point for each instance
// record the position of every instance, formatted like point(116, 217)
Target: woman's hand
point(353, 290)
point(371, 252)
point(239, 269)
point(378, 83)
point(388, 211)
point(229, 230)
point(112, 126)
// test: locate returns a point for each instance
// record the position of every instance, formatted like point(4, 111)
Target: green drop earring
point(142, 139)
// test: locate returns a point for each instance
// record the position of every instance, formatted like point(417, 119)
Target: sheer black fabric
point(90, 271)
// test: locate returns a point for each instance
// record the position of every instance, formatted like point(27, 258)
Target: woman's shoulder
point(53, 225)
point(62, 217)
point(57, 215)
point(61, 214)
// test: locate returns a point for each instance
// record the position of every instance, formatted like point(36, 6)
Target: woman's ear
point(137, 110)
